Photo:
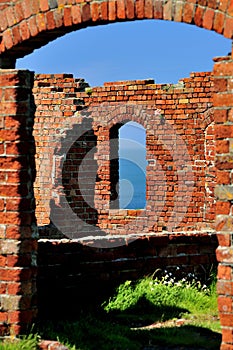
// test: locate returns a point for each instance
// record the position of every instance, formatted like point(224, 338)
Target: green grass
point(141, 315)
point(25, 343)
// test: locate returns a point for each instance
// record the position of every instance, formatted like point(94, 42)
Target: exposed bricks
point(51, 345)
point(17, 212)
point(23, 26)
point(186, 101)
point(58, 259)
point(210, 14)
point(223, 112)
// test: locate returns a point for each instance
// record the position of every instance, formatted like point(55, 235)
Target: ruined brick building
point(71, 128)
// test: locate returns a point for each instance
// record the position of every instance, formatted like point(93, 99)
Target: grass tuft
point(29, 342)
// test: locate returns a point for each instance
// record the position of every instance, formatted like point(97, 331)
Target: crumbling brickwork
point(184, 125)
point(69, 125)
point(26, 25)
point(73, 275)
point(18, 230)
point(223, 103)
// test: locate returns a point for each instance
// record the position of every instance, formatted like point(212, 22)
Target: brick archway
point(26, 25)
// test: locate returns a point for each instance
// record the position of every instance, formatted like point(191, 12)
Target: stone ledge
point(51, 345)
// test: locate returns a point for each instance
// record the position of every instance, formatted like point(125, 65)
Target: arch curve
point(26, 25)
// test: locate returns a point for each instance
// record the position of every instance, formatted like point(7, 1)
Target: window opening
point(132, 166)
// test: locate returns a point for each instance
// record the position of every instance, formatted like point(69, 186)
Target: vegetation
point(29, 342)
point(148, 314)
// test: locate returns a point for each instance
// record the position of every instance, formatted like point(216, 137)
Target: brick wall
point(223, 102)
point(73, 131)
point(27, 25)
point(73, 276)
point(61, 116)
point(18, 231)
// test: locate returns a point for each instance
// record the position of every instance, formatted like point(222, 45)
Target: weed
point(24, 343)
point(167, 292)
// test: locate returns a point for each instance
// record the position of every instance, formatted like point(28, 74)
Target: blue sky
point(162, 50)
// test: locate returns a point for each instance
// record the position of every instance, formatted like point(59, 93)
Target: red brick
point(9, 13)
point(3, 287)
point(86, 12)
point(12, 163)
point(208, 19)
point(24, 30)
point(228, 27)
point(13, 204)
point(188, 12)
point(226, 319)
point(26, 7)
point(121, 9)
point(219, 22)
point(230, 8)
point(8, 38)
point(18, 12)
point(224, 272)
point(158, 9)
point(95, 12)
point(10, 274)
point(222, 146)
point(226, 346)
point(76, 14)
point(213, 4)
point(227, 337)
point(67, 16)
point(220, 115)
point(198, 17)
point(44, 6)
point(104, 10)
point(148, 9)
point(3, 261)
point(139, 8)
point(2, 49)
point(225, 304)
point(3, 21)
point(16, 35)
point(143, 93)
point(223, 69)
point(223, 131)
point(3, 317)
point(41, 22)
point(14, 316)
point(12, 261)
point(8, 80)
point(220, 84)
point(50, 20)
point(223, 177)
point(130, 9)
point(223, 5)
point(35, 6)
point(14, 232)
point(112, 10)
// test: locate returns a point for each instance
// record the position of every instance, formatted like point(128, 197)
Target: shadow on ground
point(142, 327)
